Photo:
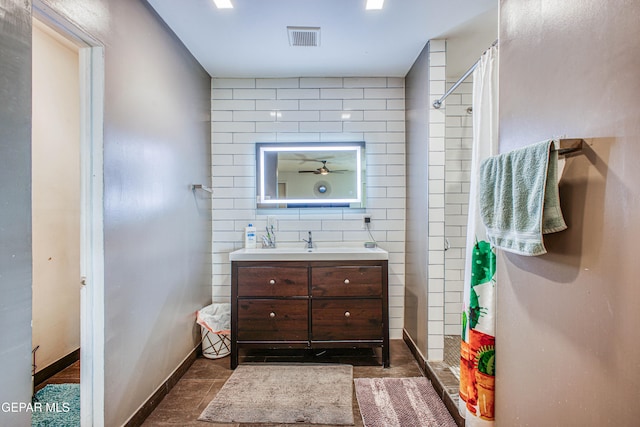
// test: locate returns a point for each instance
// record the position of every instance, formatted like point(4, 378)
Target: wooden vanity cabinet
point(309, 304)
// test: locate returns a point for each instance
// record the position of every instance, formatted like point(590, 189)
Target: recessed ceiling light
point(374, 4)
point(223, 4)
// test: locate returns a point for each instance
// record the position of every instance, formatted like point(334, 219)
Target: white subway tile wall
point(436, 214)
point(458, 142)
point(309, 110)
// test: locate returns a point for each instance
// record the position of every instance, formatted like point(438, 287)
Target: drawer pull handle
point(272, 315)
point(346, 281)
point(347, 314)
point(272, 282)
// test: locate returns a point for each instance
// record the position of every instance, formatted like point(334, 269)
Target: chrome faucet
point(309, 242)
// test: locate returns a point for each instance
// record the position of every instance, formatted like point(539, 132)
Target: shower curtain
point(477, 352)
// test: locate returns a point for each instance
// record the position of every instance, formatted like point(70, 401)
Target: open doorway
point(55, 195)
point(67, 189)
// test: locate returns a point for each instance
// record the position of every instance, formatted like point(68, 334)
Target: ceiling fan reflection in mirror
point(323, 170)
point(302, 158)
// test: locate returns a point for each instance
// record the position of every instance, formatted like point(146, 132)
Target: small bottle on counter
point(250, 237)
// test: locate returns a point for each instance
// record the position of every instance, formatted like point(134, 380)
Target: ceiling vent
point(304, 36)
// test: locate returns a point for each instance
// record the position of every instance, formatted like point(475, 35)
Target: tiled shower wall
point(450, 135)
point(458, 143)
point(435, 280)
point(309, 110)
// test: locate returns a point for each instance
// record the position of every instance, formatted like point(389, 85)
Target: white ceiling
point(251, 40)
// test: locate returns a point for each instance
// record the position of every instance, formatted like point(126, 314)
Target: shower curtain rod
point(437, 104)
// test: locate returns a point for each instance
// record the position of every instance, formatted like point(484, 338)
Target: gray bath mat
point(284, 394)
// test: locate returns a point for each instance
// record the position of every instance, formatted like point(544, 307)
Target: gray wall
point(417, 137)
point(568, 345)
point(15, 208)
point(157, 231)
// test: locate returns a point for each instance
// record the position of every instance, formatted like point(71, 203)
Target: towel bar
point(569, 145)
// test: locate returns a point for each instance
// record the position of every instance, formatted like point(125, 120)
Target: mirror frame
point(261, 169)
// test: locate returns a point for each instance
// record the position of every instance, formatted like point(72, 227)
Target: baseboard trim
point(415, 352)
point(435, 381)
point(154, 400)
point(57, 366)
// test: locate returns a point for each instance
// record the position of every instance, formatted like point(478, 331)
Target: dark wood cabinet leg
point(234, 357)
point(385, 355)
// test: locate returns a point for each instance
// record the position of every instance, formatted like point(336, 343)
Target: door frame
point(91, 60)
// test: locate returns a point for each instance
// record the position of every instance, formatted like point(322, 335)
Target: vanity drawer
point(265, 281)
point(273, 320)
point(347, 281)
point(353, 319)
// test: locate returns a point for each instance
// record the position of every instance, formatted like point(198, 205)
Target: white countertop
point(320, 253)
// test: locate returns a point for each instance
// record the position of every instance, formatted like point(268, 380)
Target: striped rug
point(401, 402)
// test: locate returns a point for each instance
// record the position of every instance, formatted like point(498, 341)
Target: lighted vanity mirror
point(308, 175)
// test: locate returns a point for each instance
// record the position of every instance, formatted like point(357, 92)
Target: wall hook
point(201, 187)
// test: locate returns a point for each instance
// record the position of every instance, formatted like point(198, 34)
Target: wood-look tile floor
point(69, 375)
point(203, 380)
